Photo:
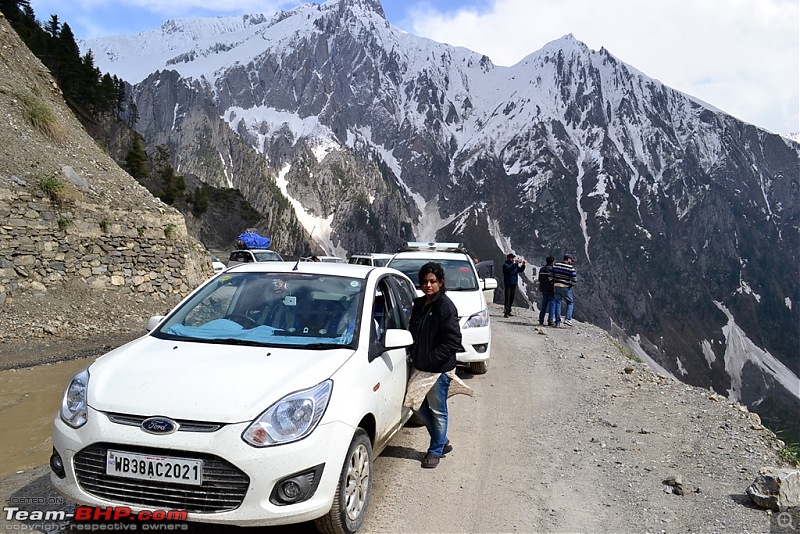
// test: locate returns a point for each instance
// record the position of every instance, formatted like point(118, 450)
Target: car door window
point(380, 307)
point(405, 299)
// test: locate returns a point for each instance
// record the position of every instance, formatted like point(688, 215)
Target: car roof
point(372, 255)
point(334, 269)
point(432, 255)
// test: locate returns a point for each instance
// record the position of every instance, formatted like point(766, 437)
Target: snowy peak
point(571, 149)
point(358, 8)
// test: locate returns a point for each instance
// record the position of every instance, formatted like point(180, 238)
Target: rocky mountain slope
point(85, 251)
point(375, 136)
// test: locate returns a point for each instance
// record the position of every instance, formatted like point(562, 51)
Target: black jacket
point(546, 279)
point(437, 336)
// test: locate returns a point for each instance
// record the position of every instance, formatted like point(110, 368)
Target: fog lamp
point(57, 465)
point(297, 488)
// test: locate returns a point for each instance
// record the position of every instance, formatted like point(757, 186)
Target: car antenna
point(297, 264)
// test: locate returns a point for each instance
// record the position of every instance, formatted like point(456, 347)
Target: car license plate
point(148, 467)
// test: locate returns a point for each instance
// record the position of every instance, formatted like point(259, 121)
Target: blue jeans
point(433, 413)
point(548, 306)
point(563, 293)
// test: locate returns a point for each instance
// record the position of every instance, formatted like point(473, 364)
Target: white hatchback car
point(217, 265)
point(464, 288)
point(261, 399)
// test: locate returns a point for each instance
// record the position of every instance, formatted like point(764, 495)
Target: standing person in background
point(511, 270)
point(546, 287)
point(437, 338)
point(564, 277)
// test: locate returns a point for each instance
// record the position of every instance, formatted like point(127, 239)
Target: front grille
point(224, 486)
point(184, 424)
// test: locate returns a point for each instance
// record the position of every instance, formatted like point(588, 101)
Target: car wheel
point(352, 494)
point(479, 368)
point(415, 421)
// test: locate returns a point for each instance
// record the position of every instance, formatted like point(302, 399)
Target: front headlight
point(291, 418)
point(73, 405)
point(479, 319)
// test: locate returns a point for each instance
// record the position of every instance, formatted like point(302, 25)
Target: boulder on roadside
point(776, 489)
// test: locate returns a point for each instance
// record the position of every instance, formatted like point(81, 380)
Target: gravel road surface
point(564, 434)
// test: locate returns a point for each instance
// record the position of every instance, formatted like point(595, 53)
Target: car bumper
point(264, 467)
point(477, 343)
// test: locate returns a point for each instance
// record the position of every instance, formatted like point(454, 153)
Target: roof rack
point(432, 246)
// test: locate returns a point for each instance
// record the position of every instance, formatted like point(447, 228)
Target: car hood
point(467, 302)
point(203, 381)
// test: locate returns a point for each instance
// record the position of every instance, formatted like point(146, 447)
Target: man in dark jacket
point(437, 339)
point(546, 287)
point(511, 270)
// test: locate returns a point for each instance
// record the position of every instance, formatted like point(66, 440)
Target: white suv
point(464, 288)
point(376, 259)
point(249, 255)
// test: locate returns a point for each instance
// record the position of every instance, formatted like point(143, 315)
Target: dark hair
point(549, 260)
point(432, 268)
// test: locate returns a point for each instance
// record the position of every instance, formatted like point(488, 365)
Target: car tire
point(415, 421)
point(479, 368)
point(353, 491)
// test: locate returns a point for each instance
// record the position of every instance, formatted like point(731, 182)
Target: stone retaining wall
point(45, 246)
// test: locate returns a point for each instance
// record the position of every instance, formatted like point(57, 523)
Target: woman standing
point(437, 339)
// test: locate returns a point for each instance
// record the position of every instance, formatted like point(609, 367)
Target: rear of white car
point(464, 288)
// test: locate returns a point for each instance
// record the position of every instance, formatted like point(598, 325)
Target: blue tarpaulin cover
point(253, 240)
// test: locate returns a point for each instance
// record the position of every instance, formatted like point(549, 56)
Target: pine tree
point(135, 160)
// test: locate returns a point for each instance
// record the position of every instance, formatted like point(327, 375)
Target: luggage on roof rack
point(251, 240)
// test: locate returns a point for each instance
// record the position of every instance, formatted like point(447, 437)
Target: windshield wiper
point(232, 341)
point(321, 346)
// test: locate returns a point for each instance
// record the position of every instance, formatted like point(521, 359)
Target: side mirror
point(396, 338)
point(489, 283)
point(393, 338)
point(153, 322)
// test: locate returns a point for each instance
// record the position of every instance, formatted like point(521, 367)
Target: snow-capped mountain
point(684, 219)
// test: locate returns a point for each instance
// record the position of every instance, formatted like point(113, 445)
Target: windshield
point(458, 274)
point(267, 255)
point(277, 309)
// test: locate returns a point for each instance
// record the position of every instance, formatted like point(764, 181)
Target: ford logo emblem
point(159, 425)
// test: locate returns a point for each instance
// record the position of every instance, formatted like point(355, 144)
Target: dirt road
point(564, 434)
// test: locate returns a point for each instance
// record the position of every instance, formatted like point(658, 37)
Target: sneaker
point(551, 324)
point(447, 447)
point(430, 461)
point(568, 322)
point(557, 325)
point(541, 323)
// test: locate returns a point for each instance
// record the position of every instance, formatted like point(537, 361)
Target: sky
point(740, 56)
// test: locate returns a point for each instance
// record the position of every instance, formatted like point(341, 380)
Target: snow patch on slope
point(739, 350)
point(319, 227)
